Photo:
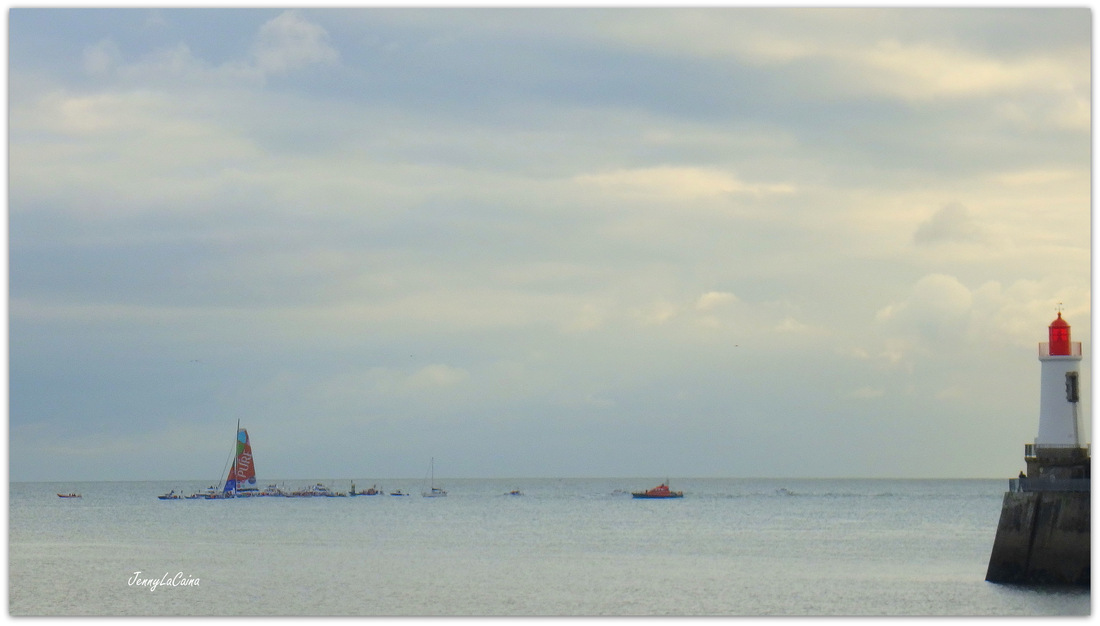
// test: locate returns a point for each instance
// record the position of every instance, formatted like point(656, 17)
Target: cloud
point(917, 71)
point(288, 43)
point(677, 183)
point(907, 54)
point(656, 313)
point(714, 299)
point(1043, 177)
point(101, 57)
point(937, 306)
point(589, 317)
point(285, 44)
point(939, 311)
point(707, 311)
point(866, 393)
point(435, 376)
point(953, 393)
point(791, 325)
point(567, 226)
point(367, 391)
point(952, 222)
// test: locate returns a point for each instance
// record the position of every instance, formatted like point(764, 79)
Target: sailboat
point(241, 480)
point(434, 491)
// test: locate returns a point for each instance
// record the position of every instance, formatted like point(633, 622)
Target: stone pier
point(1043, 534)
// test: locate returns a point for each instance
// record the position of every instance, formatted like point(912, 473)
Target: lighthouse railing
point(1074, 349)
point(1049, 484)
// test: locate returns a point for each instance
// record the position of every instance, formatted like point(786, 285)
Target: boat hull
point(659, 492)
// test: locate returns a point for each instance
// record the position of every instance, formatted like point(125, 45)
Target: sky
point(556, 242)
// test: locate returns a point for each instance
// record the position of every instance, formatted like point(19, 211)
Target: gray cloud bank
point(731, 242)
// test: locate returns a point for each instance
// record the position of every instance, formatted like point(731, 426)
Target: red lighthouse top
point(1059, 337)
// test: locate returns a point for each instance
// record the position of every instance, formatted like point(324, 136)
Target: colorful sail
point(243, 470)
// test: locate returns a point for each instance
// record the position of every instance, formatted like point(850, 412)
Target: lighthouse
point(1058, 392)
point(1043, 536)
point(1058, 451)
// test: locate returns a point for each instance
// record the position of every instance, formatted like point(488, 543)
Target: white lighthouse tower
point(1058, 452)
point(1058, 393)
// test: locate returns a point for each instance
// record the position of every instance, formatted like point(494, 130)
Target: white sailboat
point(433, 492)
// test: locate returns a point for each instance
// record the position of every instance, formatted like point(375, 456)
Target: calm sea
point(567, 547)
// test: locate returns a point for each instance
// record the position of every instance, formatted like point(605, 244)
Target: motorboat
point(660, 491)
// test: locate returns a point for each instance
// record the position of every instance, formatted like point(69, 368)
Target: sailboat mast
point(236, 455)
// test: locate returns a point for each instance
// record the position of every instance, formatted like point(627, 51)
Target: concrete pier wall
point(1042, 538)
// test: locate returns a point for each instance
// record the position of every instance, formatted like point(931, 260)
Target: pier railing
point(1032, 449)
point(1050, 484)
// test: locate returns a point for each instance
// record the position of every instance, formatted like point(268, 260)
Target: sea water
point(566, 547)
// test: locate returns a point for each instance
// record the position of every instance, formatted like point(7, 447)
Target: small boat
point(660, 491)
point(68, 495)
point(398, 492)
point(272, 491)
point(433, 492)
point(317, 491)
point(514, 492)
point(171, 495)
point(373, 491)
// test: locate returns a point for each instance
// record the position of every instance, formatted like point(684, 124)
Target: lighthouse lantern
point(1059, 337)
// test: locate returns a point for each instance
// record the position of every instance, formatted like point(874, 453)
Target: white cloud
point(952, 222)
point(938, 306)
point(1016, 314)
point(358, 387)
point(288, 43)
point(589, 317)
point(952, 393)
point(656, 313)
point(865, 393)
point(891, 52)
point(284, 44)
point(1028, 178)
point(936, 297)
point(714, 299)
point(791, 325)
point(918, 71)
point(435, 376)
point(168, 64)
point(101, 57)
point(677, 183)
point(708, 311)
